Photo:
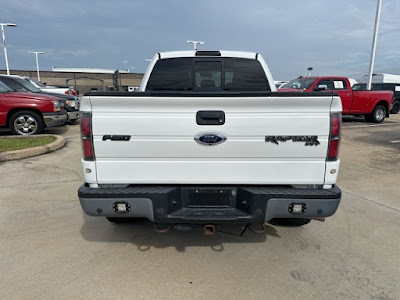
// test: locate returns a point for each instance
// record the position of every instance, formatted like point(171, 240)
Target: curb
point(35, 151)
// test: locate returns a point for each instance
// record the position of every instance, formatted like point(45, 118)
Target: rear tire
point(291, 222)
point(396, 107)
point(377, 115)
point(26, 122)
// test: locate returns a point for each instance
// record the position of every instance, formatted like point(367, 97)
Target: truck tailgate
point(162, 147)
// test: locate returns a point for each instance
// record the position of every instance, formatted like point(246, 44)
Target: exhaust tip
point(209, 229)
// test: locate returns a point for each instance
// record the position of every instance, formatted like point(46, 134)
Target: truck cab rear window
point(208, 74)
point(171, 75)
point(243, 74)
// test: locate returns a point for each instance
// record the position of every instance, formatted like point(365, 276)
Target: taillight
point(70, 92)
point(334, 136)
point(87, 136)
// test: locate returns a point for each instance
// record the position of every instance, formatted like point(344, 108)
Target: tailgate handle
point(210, 117)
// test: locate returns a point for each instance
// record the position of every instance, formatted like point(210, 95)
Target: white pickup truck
point(63, 90)
point(208, 140)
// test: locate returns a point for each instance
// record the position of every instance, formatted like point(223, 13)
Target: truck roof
point(192, 53)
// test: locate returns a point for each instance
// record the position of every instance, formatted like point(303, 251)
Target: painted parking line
point(395, 142)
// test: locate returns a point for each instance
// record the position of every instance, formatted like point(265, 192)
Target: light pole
point(4, 42)
point(373, 50)
point(37, 61)
point(309, 71)
point(195, 43)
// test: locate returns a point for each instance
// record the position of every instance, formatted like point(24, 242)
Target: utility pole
point(195, 43)
point(116, 81)
point(373, 50)
point(37, 61)
point(4, 42)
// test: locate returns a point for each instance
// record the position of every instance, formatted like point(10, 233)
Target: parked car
point(28, 113)
point(208, 140)
point(395, 87)
point(63, 90)
point(19, 84)
point(279, 83)
point(374, 105)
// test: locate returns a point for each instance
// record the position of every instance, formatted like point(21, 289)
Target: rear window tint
point(208, 74)
point(244, 75)
point(171, 75)
point(205, 74)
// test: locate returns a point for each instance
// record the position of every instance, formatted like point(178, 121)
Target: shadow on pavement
point(382, 138)
point(353, 119)
point(56, 130)
point(52, 130)
point(360, 120)
point(140, 233)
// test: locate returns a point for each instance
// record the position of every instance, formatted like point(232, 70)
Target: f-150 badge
point(210, 138)
point(116, 137)
point(310, 140)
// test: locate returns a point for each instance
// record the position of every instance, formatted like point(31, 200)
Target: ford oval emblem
point(210, 138)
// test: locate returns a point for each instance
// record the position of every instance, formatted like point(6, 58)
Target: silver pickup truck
point(208, 140)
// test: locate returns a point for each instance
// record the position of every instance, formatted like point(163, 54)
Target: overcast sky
point(333, 37)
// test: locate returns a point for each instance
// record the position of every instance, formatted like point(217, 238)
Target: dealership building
point(86, 79)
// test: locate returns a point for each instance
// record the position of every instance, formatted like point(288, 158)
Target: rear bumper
point(209, 204)
point(55, 119)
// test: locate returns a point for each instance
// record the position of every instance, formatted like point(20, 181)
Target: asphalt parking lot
point(51, 250)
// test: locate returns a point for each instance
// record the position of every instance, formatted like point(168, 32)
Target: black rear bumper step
point(125, 192)
point(272, 192)
point(209, 204)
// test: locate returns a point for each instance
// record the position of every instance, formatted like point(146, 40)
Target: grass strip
point(11, 144)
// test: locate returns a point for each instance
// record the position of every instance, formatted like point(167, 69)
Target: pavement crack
point(372, 201)
point(64, 169)
point(40, 183)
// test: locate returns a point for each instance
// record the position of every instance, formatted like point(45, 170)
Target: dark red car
point(27, 113)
